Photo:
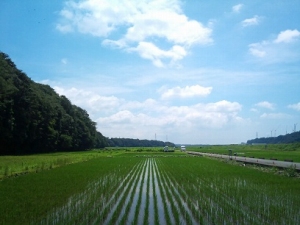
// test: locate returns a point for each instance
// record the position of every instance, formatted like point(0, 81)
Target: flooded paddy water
point(161, 190)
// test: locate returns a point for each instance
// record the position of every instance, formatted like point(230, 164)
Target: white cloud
point(186, 92)
point(251, 21)
point(266, 105)
point(117, 117)
point(148, 50)
point(237, 8)
point(287, 36)
point(281, 49)
point(295, 106)
point(64, 28)
point(274, 116)
point(257, 50)
point(141, 21)
point(211, 115)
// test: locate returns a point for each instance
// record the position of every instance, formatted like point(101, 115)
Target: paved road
point(265, 162)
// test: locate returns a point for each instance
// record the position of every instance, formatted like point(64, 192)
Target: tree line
point(282, 139)
point(130, 142)
point(35, 119)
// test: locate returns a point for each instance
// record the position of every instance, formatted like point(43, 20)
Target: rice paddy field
point(149, 187)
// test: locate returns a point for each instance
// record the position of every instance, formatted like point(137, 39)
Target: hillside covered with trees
point(35, 119)
point(282, 139)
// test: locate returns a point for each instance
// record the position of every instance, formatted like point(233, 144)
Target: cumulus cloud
point(251, 21)
point(237, 8)
point(142, 23)
point(186, 92)
point(148, 50)
point(287, 36)
point(212, 115)
point(117, 117)
point(266, 105)
point(280, 49)
point(295, 106)
point(257, 50)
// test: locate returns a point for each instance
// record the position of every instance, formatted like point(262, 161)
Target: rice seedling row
point(119, 207)
point(140, 210)
point(220, 200)
point(158, 209)
point(98, 198)
point(139, 201)
point(167, 206)
point(210, 191)
point(131, 207)
point(179, 202)
point(212, 201)
point(146, 208)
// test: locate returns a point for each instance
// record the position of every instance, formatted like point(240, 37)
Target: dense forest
point(129, 142)
point(282, 139)
point(35, 119)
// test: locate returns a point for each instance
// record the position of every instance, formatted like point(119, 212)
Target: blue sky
point(193, 72)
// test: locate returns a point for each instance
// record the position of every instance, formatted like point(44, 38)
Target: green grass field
point(144, 185)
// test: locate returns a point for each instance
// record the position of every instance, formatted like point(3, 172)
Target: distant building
point(182, 148)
